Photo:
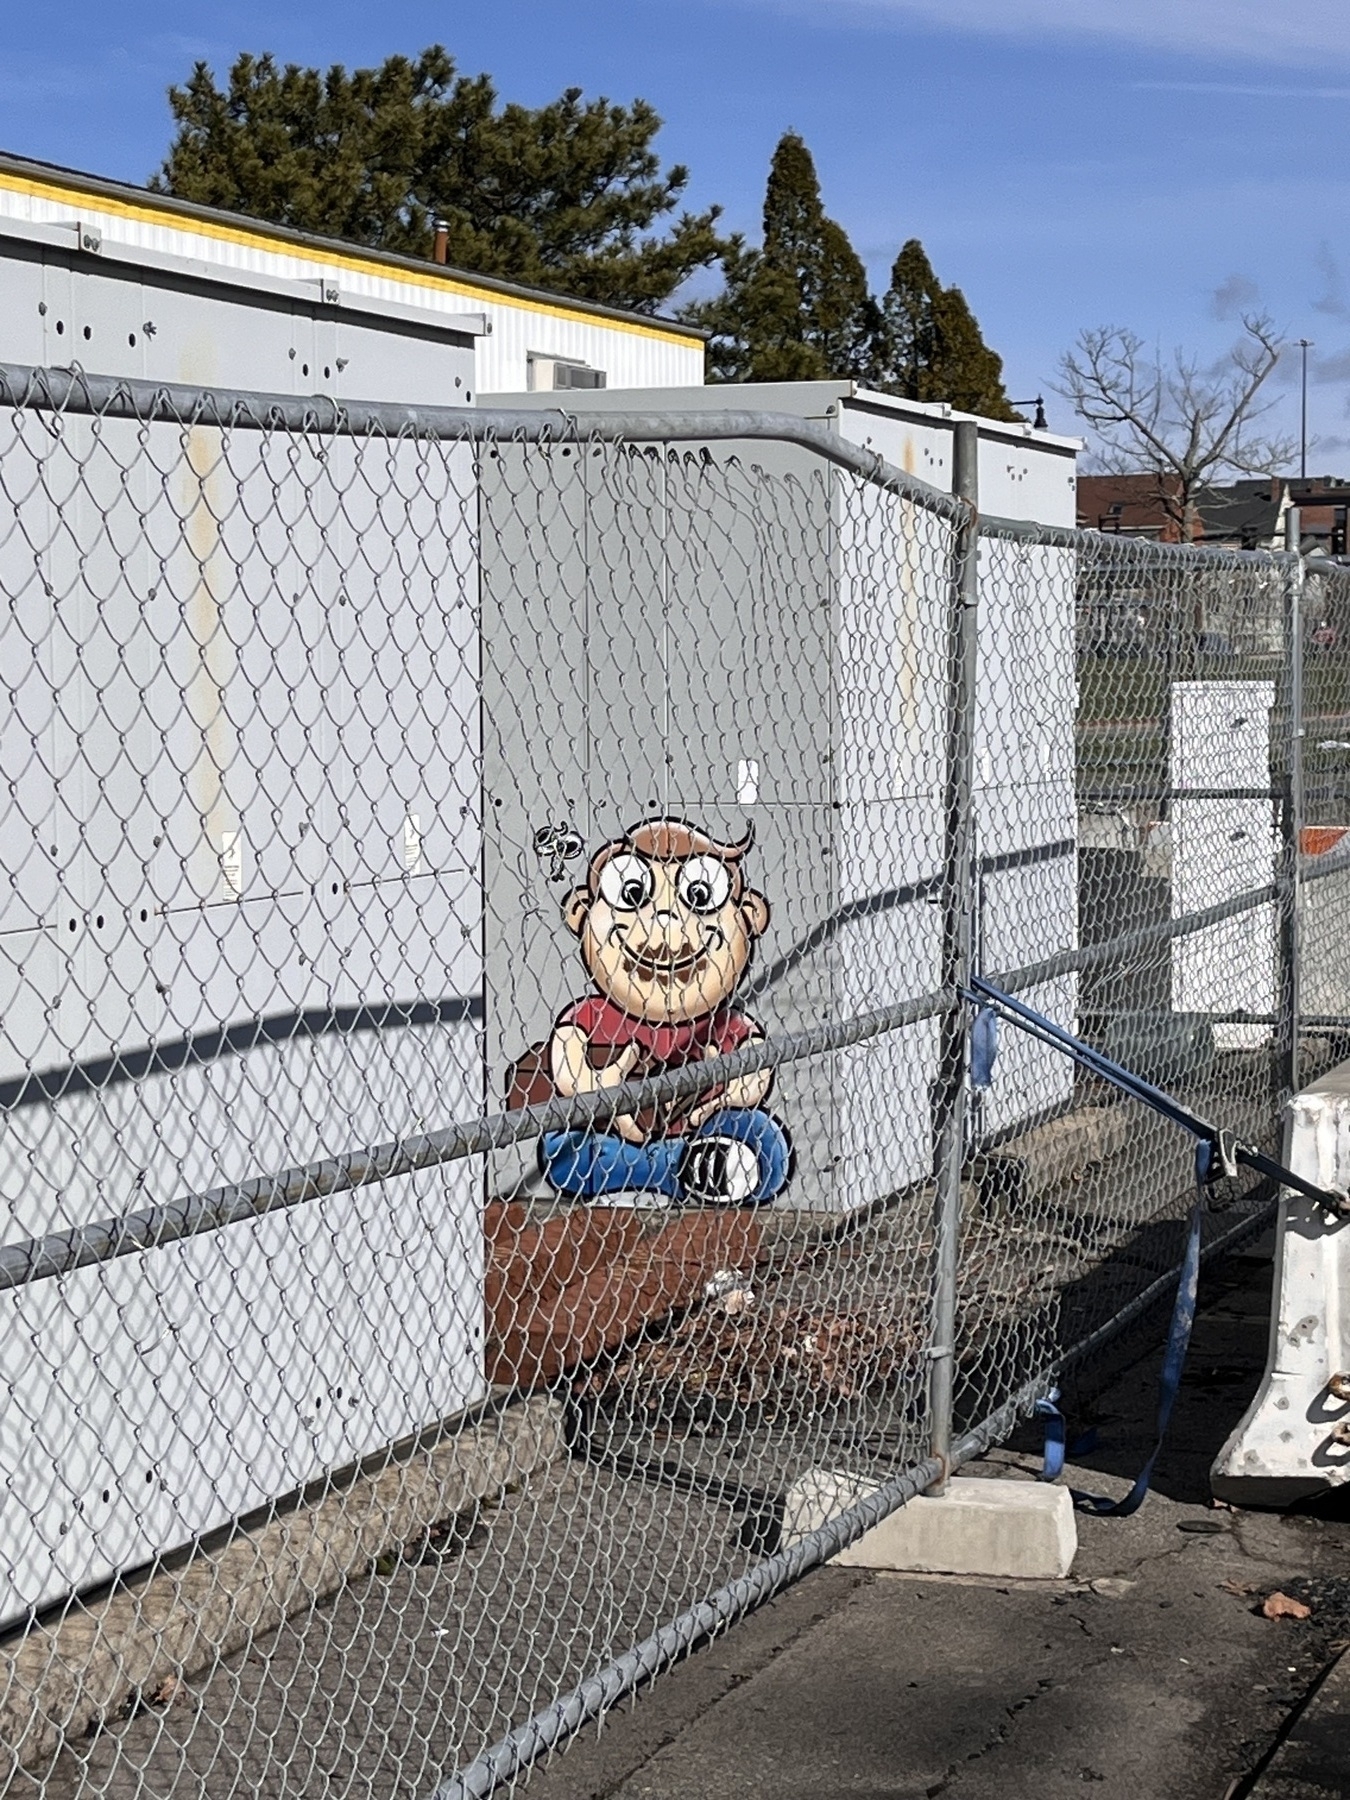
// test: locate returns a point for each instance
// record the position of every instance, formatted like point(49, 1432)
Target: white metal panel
point(1026, 697)
point(1025, 803)
point(887, 844)
point(1022, 474)
point(917, 440)
point(1031, 476)
point(1026, 913)
point(1220, 733)
point(1220, 737)
point(334, 1330)
point(883, 1126)
point(892, 611)
point(25, 325)
point(399, 367)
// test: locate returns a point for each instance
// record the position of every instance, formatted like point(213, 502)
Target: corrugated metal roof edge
point(241, 228)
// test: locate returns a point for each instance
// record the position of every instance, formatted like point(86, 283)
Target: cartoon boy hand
point(667, 928)
point(573, 1074)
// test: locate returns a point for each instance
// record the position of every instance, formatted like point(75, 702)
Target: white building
point(128, 282)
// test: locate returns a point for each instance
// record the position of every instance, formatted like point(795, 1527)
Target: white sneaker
point(718, 1171)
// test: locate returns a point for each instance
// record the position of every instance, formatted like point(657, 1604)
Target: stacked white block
point(1220, 738)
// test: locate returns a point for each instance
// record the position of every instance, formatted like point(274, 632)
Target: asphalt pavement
point(1151, 1674)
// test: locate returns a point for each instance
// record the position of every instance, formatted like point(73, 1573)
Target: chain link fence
point(492, 1190)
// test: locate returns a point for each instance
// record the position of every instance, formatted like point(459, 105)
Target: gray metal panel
point(153, 317)
point(751, 646)
point(219, 643)
point(635, 615)
point(806, 399)
point(409, 365)
point(711, 576)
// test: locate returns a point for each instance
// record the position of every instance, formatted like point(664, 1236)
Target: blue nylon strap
point(1169, 1382)
point(1216, 1154)
point(1056, 1428)
point(1221, 1148)
point(983, 1046)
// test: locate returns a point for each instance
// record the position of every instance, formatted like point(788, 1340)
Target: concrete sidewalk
point(1149, 1675)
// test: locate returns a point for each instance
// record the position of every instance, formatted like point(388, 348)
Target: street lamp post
point(1305, 345)
point(1039, 404)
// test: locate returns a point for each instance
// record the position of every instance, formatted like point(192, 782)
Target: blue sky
point(1068, 162)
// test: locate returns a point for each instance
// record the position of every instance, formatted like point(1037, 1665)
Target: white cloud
point(1247, 89)
point(1334, 369)
point(1332, 299)
point(1235, 30)
point(1235, 295)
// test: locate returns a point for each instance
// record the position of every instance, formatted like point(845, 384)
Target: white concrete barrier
point(1294, 1442)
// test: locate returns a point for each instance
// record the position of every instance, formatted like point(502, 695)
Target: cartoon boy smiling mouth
point(666, 927)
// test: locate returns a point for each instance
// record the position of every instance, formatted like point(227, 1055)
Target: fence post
point(949, 1100)
point(1291, 805)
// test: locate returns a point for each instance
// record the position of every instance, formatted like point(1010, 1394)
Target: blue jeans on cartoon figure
point(587, 1165)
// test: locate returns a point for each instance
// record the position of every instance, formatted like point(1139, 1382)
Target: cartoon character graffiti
point(667, 927)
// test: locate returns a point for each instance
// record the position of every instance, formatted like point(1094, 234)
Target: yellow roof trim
point(259, 240)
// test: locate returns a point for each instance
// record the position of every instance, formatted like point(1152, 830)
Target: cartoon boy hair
point(667, 926)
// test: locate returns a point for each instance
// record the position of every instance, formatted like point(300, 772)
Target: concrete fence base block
point(1011, 1529)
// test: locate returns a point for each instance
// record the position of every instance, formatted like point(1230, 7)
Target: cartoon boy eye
point(626, 883)
point(703, 884)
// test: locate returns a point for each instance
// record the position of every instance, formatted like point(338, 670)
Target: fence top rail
point(74, 392)
point(1137, 550)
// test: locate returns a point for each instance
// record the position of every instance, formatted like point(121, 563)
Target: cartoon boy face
point(666, 923)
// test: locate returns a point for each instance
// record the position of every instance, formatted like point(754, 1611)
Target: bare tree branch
point(1180, 423)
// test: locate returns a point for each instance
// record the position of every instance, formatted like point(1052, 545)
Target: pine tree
point(798, 309)
point(908, 352)
point(562, 196)
point(930, 346)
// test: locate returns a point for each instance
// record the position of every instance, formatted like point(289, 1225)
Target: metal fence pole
point(958, 887)
point(1292, 807)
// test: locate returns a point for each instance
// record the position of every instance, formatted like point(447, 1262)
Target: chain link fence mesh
point(472, 949)
point(1151, 756)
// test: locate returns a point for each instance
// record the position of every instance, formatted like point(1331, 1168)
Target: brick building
point(1243, 515)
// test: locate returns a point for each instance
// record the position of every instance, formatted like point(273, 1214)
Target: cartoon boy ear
point(574, 909)
point(755, 912)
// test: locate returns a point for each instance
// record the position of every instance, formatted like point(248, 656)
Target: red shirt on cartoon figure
point(667, 928)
